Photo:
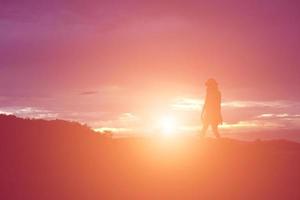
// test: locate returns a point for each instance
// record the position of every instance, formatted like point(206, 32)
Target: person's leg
point(215, 130)
point(204, 129)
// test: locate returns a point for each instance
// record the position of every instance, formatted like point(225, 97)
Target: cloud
point(240, 126)
point(242, 115)
point(108, 89)
point(5, 112)
point(278, 116)
point(187, 104)
point(191, 104)
point(287, 120)
point(128, 118)
point(88, 93)
point(29, 112)
point(252, 125)
point(249, 104)
point(113, 130)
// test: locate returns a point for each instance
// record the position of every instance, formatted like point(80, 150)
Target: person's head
point(211, 83)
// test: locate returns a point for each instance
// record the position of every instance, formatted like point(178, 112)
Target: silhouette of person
point(211, 111)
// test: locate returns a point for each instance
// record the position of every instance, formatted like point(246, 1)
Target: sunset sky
point(126, 65)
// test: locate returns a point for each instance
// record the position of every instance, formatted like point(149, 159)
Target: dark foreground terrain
point(62, 160)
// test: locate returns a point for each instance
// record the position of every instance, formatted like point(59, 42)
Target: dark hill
point(65, 160)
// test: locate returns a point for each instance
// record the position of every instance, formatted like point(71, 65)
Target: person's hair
point(211, 83)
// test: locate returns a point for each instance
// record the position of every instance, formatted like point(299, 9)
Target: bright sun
point(168, 125)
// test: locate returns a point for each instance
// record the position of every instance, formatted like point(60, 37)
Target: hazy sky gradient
point(123, 63)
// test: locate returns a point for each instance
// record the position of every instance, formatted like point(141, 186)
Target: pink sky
point(123, 65)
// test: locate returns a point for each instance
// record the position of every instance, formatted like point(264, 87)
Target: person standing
point(211, 111)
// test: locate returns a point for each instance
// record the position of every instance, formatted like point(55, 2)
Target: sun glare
point(168, 125)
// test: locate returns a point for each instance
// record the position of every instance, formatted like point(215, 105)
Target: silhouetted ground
point(62, 160)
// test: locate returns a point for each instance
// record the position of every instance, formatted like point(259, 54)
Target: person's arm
point(220, 106)
point(203, 108)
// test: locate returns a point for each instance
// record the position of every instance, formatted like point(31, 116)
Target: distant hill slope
point(58, 133)
point(64, 160)
point(15, 124)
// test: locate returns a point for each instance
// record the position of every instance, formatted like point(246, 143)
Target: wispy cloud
point(242, 115)
point(88, 93)
point(252, 125)
point(113, 130)
point(191, 104)
point(187, 104)
point(280, 115)
point(247, 104)
point(241, 126)
point(29, 112)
